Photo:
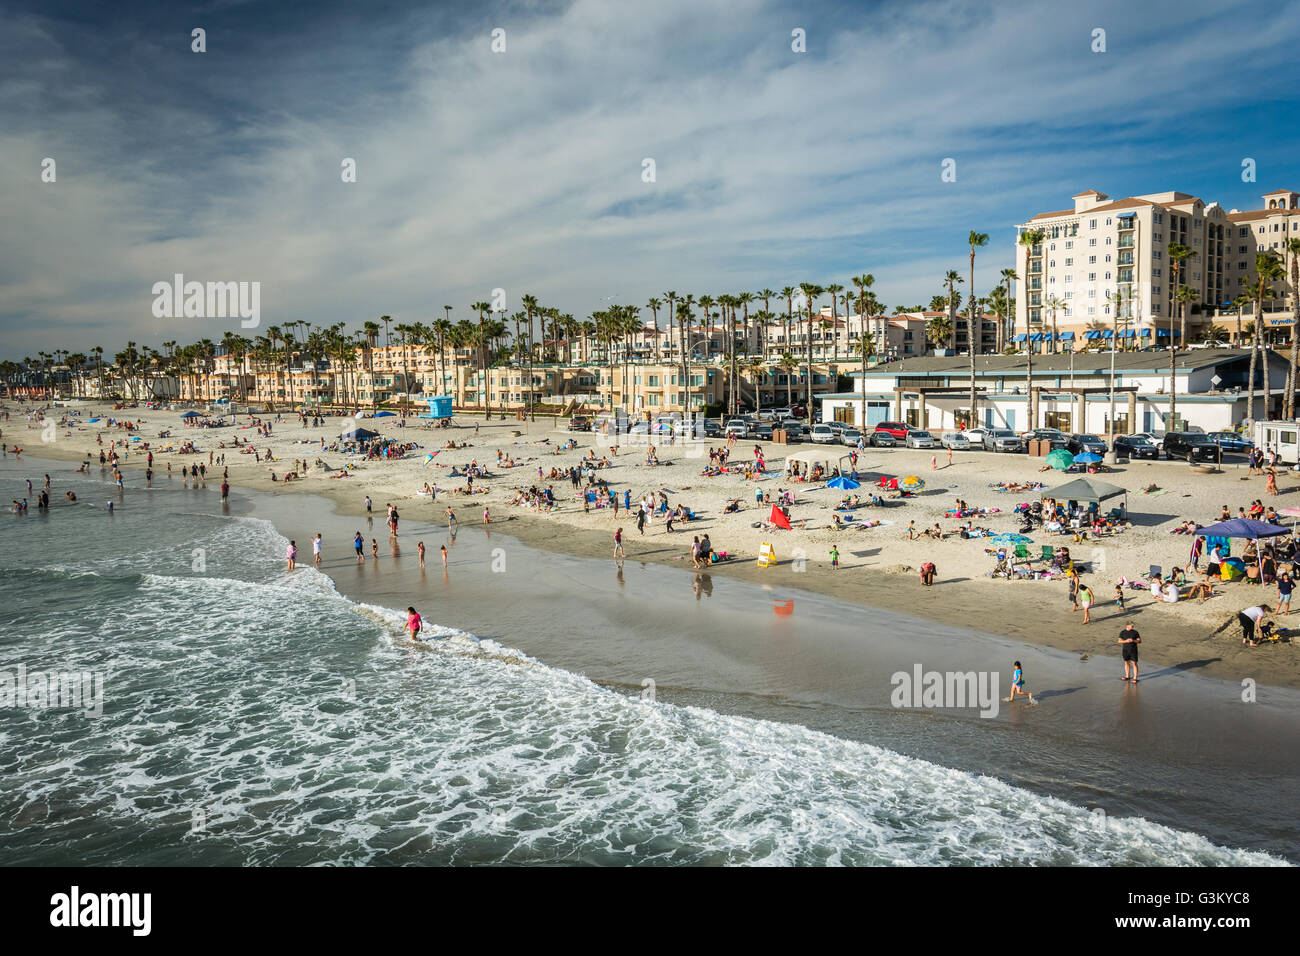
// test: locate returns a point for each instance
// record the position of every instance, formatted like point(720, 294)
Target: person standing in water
point(291, 554)
point(444, 557)
point(359, 543)
point(315, 549)
point(1129, 639)
point(1018, 684)
point(413, 623)
point(618, 542)
point(419, 546)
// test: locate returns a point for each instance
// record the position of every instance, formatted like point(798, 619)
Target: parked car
point(850, 436)
point(879, 439)
point(579, 423)
point(1190, 446)
point(1136, 446)
point(1231, 441)
point(957, 441)
point(975, 436)
point(1159, 442)
point(711, 428)
point(778, 414)
point(823, 434)
point(918, 438)
point(794, 430)
point(1002, 439)
point(763, 432)
point(837, 428)
point(738, 427)
point(1080, 442)
point(898, 429)
point(1058, 438)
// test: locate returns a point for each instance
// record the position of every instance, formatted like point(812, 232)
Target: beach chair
point(1153, 570)
point(893, 484)
point(1048, 552)
point(1022, 551)
point(1116, 514)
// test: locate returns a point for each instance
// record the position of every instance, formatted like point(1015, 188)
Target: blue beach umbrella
point(1087, 458)
point(93, 420)
point(191, 415)
point(847, 484)
point(383, 415)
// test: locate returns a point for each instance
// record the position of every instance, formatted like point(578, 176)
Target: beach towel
point(779, 519)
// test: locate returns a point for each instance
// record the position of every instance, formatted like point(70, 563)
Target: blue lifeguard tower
point(439, 407)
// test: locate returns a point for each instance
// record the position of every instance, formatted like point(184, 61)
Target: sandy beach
point(877, 564)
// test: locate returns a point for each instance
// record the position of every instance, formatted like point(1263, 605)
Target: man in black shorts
point(1129, 639)
point(1250, 619)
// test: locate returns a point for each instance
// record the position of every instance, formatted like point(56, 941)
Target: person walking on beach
point(1284, 588)
point(1085, 602)
point(451, 517)
point(934, 462)
point(291, 554)
point(1271, 487)
point(413, 623)
point(374, 549)
point(225, 488)
point(695, 552)
point(359, 543)
point(368, 504)
point(1129, 639)
point(315, 549)
point(1018, 684)
point(640, 520)
point(618, 543)
point(1119, 598)
point(1072, 582)
point(487, 518)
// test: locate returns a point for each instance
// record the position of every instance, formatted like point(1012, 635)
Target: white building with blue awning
point(1075, 391)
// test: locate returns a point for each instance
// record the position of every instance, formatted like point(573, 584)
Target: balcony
point(1125, 242)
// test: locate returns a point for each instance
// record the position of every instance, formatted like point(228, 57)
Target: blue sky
point(523, 170)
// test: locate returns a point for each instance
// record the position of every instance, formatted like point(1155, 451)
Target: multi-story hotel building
point(1106, 262)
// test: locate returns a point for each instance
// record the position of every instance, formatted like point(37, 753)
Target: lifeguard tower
point(439, 408)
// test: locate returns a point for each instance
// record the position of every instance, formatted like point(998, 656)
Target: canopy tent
point(384, 414)
point(1086, 489)
point(191, 415)
point(1245, 528)
point(811, 459)
point(358, 434)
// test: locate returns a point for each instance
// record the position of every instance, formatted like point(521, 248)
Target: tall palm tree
point(1178, 254)
point(788, 292)
point(863, 284)
point(1240, 303)
point(1269, 269)
point(1053, 304)
point(482, 308)
point(952, 278)
point(1030, 238)
point(1292, 247)
point(1007, 276)
point(974, 319)
point(811, 292)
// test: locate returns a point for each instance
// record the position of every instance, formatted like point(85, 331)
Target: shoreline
point(1036, 612)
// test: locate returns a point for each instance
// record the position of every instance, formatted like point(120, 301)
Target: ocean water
point(251, 716)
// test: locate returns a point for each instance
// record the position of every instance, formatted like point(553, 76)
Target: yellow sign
point(766, 555)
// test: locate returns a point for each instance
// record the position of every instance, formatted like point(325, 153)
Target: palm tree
point(1178, 254)
point(938, 331)
point(950, 304)
point(482, 308)
point(1292, 247)
point(974, 319)
point(788, 292)
point(1240, 303)
point(810, 292)
point(1053, 305)
point(1269, 268)
point(789, 364)
point(863, 284)
point(1030, 238)
point(1007, 276)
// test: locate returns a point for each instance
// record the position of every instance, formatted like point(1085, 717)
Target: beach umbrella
point(1011, 537)
point(383, 415)
point(191, 415)
point(1087, 458)
point(93, 420)
point(847, 484)
point(1060, 459)
point(912, 483)
point(429, 458)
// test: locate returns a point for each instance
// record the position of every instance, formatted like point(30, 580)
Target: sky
point(523, 168)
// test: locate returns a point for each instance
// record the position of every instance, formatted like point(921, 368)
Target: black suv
point(1057, 439)
point(1079, 443)
point(1190, 446)
point(1134, 446)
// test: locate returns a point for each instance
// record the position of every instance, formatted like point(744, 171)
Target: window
point(1069, 262)
point(1107, 275)
point(1155, 273)
point(1108, 254)
point(1092, 277)
point(1092, 242)
point(1108, 240)
point(1092, 223)
point(1108, 220)
point(1069, 244)
point(1092, 260)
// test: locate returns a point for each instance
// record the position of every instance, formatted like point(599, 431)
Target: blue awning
point(1128, 334)
point(1107, 333)
point(1091, 334)
point(1146, 333)
point(1037, 337)
point(1164, 333)
point(1067, 335)
point(1020, 337)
